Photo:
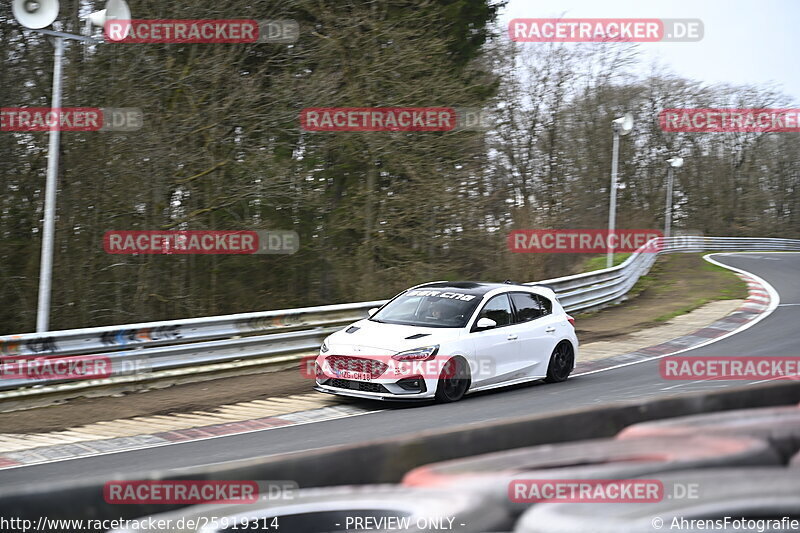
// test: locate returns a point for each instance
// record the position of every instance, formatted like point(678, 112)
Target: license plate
point(360, 376)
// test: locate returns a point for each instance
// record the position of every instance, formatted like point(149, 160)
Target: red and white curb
point(94, 447)
point(761, 301)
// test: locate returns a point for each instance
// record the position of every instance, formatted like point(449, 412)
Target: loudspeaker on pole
point(115, 10)
point(35, 14)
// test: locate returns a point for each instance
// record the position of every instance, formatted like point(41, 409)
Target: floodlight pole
point(46, 263)
point(51, 184)
point(668, 210)
point(673, 162)
point(612, 208)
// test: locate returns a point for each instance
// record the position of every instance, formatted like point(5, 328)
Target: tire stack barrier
point(795, 461)
point(761, 499)
point(779, 426)
point(542, 446)
point(334, 509)
point(491, 474)
point(739, 493)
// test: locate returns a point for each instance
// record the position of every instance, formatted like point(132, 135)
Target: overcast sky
point(745, 42)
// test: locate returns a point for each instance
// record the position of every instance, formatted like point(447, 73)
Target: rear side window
point(530, 306)
point(498, 309)
point(547, 305)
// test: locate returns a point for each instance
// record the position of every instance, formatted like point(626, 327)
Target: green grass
point(682, 282)
point(726, 287)
point(684, 310)
point(599, 262)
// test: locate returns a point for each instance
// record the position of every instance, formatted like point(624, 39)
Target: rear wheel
point(561, 362)
point(453, 381)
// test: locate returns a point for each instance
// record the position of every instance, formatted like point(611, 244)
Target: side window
point(528, 306)
point(547, 305)
point(498, 309)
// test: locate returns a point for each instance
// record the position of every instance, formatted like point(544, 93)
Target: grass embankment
point(599, 262)
point(677, 284)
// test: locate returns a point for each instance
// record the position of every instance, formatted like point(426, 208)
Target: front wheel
point(453, 381)
point(561, 362)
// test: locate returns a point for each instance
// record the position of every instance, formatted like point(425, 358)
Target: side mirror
point(485, 323)
point(372, 311)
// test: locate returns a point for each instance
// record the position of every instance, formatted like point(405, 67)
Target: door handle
point(549, 329)
point(512, 337)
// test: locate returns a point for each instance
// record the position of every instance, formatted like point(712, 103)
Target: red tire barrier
point(780, 426)
point(343, 508)
point(491, 474)
point(744, 495)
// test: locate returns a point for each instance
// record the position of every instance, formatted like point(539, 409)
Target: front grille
point(357, 364)
point(357, 385)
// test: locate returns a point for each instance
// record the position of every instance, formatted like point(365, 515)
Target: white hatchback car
point(444, 339)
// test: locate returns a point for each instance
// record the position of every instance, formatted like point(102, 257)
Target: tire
point(779, 426)
point(795, 461)
point(453, 382)
point(629, 457)
point(327, 509)
point(763, 493)
point(561, 362)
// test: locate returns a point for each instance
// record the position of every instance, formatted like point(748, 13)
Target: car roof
point(477, 288)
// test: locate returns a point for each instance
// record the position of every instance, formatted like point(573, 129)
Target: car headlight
point(324, 348)
point(417, 354)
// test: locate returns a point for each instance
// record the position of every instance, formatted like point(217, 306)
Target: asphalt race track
point(776, 335)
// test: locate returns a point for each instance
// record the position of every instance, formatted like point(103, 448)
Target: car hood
point(375, 338)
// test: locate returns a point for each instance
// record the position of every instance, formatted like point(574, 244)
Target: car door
point(536, 328)
point(494, 348)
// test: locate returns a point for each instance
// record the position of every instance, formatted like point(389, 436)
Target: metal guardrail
point(583, 292)
point(139, 352)
point(591, 290)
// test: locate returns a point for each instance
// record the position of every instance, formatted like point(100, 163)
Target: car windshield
point(429, 308)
